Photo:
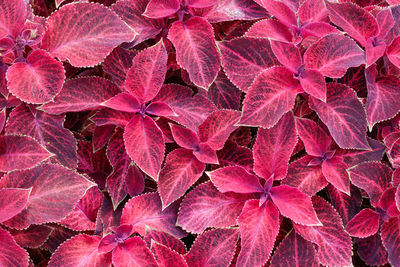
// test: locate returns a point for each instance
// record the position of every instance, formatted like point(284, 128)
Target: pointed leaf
point(229, 10)
point(334, 171)
point(393, 52)
point(234, 155)
point(364, 224)
point(346, 205)
point(270, 28)
point(165, 239)
point(33, 237)
point(181, 169)
point(144, 143)
point(125, 102)
point(390, 232)
point(372, 251)
point(133, 252)
point(224, 94)
point(166, 257)
point(118, 63)
point(313, 83)
point(288, 55)
point(184, 137)
point(10, 253)
point(196, 50)
point(12, 19)
point(157, 9)
point(281, 11)
point(12, 202)
point(259, 227)
point(206, 154)
point(316, 140)
point(213, 248)
point(69, 36)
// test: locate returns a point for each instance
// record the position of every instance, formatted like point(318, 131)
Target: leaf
point(274, 87)
point(157, 9)
point(229, 10)
point(55, 192)
point(333, 242)
point(200, 3)
point(206, 154)
point(144, 143)
point(373, 177)
point(124, 102)
point(181, 170)
point(354, 20)
point(295, 250)
point(196, 50)
point(234, 155)
point(390, 232)
point(185, 138)
point(80, 250)
point(37, 80)
point(33, 237)
point(205, 207)
point(12, 19)
point(144, 211)
point(48, 130)
point(147, 74)
point(280, 10)
point(167, 257)
point(133, 252)
point(111, 117)
point(235, 179)
point(20, 152)
point(346, 205)
point(334, 171)
point(270, 28)
point(259, 227)
point(372, 251)
point(12, 202)
point(213, 248)
point(224, 94)
point(84, 43)
point(243, 65)
point(81, 94)
point(393, 52)
point(333, 54)
point(288, 55)
point(117, 64)
point(316, 140)
point(313, 83)
point(364, 224)
point(215, 130)
point(273, 148)
point(10, 253)
point(294, 204)
point(344, 116)
point(165, 239)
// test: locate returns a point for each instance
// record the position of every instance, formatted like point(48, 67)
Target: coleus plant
point(199, 133)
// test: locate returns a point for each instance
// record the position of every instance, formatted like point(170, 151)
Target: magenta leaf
point(242, 65)
point(133, 252)
point(272, 88)
point(160, 109)
point(125, 102)
point(294, 204)
point(235, 179)
point(229, 10)
point(165, 239)
point(288, 55)
point(235, 155)
point(118, 63)
point(316, 140)
point(206, 154)
point(213, 248)
point(334, 170)
point(270, 28)
point(147, 74)
point(12, 18)
point(295, 250)
point(215, 130)
point(333, 54)
point(346, 205)
point(313, 83)
point(41, 73)
point(224, 94)
point(111, 117)
point(12, 201)
point(196, 50)
point(81, 94)
point(144, 143)
point(390, 232)
point(373, 177)
point(206, 207)
point(10, 253)
point(280, 10)
point(145, 211)
point(259, 227)
point(81, 44)
point(393, 52)
point(333, 242)
point(55, 192)
point(80, 250)
point(180, 171)
point(364, 224)
point(344, 116)
point(167, 257)
point(20, 152)
point(185, 138)
point(157, 9)
point(200, 3)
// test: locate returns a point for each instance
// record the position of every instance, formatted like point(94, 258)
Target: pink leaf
point(242, 65)
point(55, 192)
point(200, 3)
point(344, 116)
point(295, 250)
point(288, 55)
point(196, 50)
point(313, 83)
point(334, 170)
point(270, 28)
point(393, 52)
point(111, 117)
point(294, 204)
point(147, 74)
point(145, 211)
point(165, 239)
point(184, 137)
point(281, 11)
point(167, 257)
point(273, 148)
point(181, 169)
point(333, 242)
point(346, 205)
point(157, 9)
point(12, 19)
point(12, 202)
point(235, 155)
point(205, 207)
point(125, 102)
point(41, 73)
point(390, 232)
point(354, 20)
point(213, 248)
point(20, 152)
point(81, 94)
point(235, 179)
point(312, 11)
point(10, 253)
point(333, 54)
point(80, 250)
point(160, 109)
point(133, 252)
point(364, 224)
point(118, 63)
point(374, 51)
point(373, 177)
point(315, 139)
point(69, 36)
point(397, 197)
point(144, 143)
point(215, 130)
point(259, 226)
point(206, 154)
point(33, 237)
point(274, 87)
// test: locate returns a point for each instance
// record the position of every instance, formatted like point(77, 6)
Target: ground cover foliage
point(199, 133)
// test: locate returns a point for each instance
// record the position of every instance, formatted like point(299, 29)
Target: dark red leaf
point(10, 253)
